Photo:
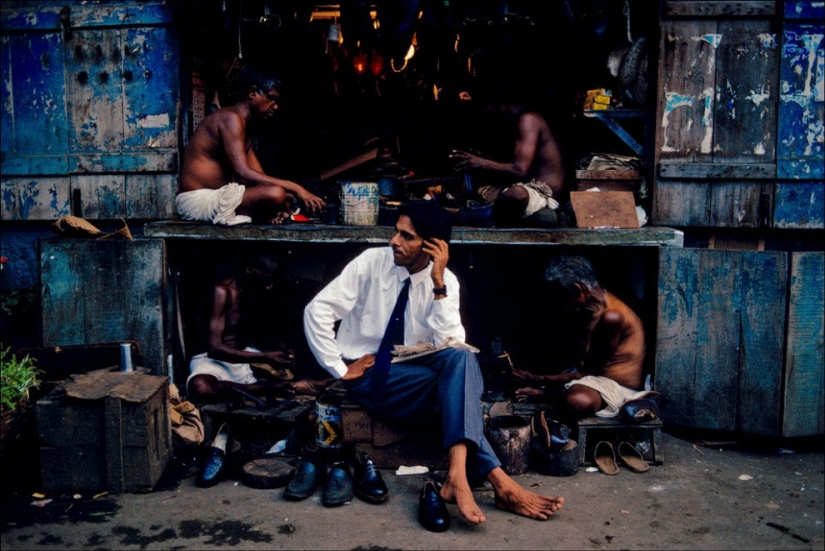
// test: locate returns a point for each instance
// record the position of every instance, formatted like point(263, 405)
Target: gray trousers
point(435, 396)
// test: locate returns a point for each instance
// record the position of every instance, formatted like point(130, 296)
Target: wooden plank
point(717, 340)
point(151, 195)
point(34, 198)
point(764, 286)
point(150, 88)
point(113, 413)
point(608, 175)
point(720, 171)
point(804, 9)
point(740, 204)
point(103, 273)
point(37, 85)
point(102, 196)
point(804, 404)
point(719, 8)
point(604, 209)
point(61, 291)
point(105, 290)
point(747, 81)
point(687, 70)
point(678, 303)
point(380, 235)
point(802, 102)
point(94, 94)
point(799, 205)
point(46, 15)
point(144, 286)
point(681, 203)
point(125, 161)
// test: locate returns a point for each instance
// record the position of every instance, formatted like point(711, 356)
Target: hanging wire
point(626, 12)
point(240, 12)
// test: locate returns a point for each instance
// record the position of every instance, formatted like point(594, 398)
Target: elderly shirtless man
point(529, 186)
point(222, 180)
point(612, 345)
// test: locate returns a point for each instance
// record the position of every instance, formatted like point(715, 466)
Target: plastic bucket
point(359, 203)
point(329, 425)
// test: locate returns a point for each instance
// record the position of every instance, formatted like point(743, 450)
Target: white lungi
point(613, 394)
point(213, 205)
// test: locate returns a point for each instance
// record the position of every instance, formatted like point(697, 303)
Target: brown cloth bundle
point(74, 226)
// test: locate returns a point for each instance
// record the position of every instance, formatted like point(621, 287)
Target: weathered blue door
point(90, 98)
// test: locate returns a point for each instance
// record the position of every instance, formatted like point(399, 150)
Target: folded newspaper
point(405, 353)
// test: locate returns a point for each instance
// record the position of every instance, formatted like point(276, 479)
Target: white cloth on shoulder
point(202, 364)
point(613, 394)
point(213, 205)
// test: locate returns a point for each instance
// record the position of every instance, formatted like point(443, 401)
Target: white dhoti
point(202, 364)
point(213, 205)
point(540, 196)
point(613, 394)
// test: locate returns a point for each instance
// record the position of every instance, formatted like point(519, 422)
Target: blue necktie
point(393, 335)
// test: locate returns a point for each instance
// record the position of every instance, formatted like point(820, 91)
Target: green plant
point(17, 377)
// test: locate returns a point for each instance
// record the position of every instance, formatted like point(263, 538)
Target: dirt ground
point(726, 496)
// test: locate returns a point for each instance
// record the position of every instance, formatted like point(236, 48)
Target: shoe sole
point(371, 499)
point(297, 497)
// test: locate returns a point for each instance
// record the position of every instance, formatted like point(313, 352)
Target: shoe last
point(432, 511)
point(367, 481)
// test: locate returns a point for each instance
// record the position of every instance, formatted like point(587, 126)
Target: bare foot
point(462, 496)
point(308, 387)
point(281, 218)
point(529, 393)
point(515, 499)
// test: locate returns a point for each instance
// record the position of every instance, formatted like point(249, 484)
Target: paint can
point(329, 424)
point(359, 203)
point(509, 436)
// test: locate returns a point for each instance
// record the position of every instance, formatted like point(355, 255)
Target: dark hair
point(428, 218)
point(562, 273)
point(256, 80)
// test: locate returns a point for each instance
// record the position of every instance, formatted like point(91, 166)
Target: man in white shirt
point(442, 389)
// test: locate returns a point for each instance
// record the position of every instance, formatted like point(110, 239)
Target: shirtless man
point(533, 178)
point(222, 180)
point(226, 363)
point(612, 346)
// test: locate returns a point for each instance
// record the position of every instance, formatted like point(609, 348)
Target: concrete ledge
point(311, 233)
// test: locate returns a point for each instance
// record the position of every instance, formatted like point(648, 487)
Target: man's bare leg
point(510, 496)
point(456, 488)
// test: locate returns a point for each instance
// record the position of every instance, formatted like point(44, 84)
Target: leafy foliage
point(17, 377)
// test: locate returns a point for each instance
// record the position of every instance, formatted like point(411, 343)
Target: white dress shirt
point(363, 297)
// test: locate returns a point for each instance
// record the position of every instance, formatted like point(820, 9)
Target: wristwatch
point(440, 291)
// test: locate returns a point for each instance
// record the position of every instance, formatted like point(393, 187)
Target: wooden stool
point(647, 435)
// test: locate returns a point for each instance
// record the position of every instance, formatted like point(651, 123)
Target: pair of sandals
point(604, 456)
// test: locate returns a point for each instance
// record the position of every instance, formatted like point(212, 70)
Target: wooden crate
point(609, 180)
point(109, 443)
point(646, 436)
point(387, 448)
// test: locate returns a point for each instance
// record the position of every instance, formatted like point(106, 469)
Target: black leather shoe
point(212, 469)
point(432, 511)
point(645, 408)
point(367, 481)
point(338, 488)
point(304, 482)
